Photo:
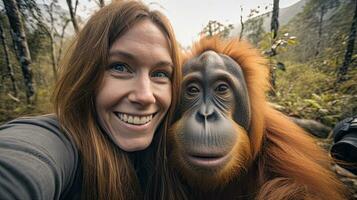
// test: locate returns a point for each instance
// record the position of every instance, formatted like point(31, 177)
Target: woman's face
point(135, 93)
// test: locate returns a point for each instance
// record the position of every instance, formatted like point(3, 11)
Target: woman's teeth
point(132, 119)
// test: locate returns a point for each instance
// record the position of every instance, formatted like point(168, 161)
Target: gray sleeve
point(37, 161)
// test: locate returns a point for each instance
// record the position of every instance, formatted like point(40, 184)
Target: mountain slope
point(285, 15)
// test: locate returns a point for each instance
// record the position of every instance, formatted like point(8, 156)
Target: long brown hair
point(108, 171)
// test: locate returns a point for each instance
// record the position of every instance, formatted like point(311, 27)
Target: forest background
point(310, 46)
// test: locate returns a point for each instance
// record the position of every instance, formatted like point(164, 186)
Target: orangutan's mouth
point(208, 160)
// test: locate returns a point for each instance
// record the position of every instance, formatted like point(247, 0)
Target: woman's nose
point(142, 92)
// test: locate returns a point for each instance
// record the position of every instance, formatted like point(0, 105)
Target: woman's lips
point(134, 119)
point(135, 122)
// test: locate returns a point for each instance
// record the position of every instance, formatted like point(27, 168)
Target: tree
point(274, 26)
point(72, 12)
point(216, 28)
point(349, 49)
point(241, 23)
point(100, 3)
point(9, 71)
point(61, 40)
point(49, 25)
point(253, 27)
point(23, 53)
point(323, 6)
point(50, 29)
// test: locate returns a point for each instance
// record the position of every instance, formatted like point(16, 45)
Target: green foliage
point(10, 108)
point(308, 87)
point(308, 92)
point(254, 30)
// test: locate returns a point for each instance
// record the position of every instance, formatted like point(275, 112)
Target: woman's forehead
point(144, 40)
point(143, 32)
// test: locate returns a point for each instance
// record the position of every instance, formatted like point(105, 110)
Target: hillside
point(285, 15)
point(312, 59)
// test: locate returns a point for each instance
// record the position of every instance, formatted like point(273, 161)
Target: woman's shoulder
point(40, 161)
point(41, 127)
point(48, 121)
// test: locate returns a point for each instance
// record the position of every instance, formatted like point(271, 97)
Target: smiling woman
point(113, 102)
point(140, 60)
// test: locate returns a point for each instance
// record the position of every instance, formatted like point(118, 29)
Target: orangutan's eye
point(222, 88)
point(192, 90)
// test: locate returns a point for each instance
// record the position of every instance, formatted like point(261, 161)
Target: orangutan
point(228, 143)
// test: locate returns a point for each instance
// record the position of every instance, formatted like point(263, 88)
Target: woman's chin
point(134, 144)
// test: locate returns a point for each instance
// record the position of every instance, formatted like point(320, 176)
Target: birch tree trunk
point(23, 53)
point(9, 71)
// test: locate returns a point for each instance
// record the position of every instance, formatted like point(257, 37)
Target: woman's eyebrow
point(164, 64)
point(132, 57)
point(123, 54)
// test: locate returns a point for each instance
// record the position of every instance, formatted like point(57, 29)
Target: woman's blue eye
point(161, 75)
point(120, 67)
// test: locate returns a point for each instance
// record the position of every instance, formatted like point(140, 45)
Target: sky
point(188, 17)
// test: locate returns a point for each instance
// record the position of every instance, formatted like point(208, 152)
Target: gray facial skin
point(214, 101)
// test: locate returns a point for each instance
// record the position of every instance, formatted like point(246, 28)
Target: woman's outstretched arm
point(37, 161)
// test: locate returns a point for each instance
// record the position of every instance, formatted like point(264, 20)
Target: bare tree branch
point(73, 14)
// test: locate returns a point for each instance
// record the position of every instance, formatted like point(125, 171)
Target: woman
point(113, 103)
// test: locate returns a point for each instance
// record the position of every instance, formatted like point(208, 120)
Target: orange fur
point(285, 163)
